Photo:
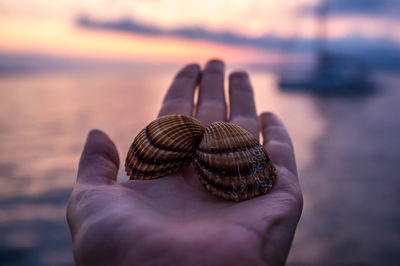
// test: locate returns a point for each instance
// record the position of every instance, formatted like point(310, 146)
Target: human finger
point(241, 101)
point(277, 142)
point(179, 97)
point(211, 104)
point(99, 161)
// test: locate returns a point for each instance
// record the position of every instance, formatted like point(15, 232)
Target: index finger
point(180, 95)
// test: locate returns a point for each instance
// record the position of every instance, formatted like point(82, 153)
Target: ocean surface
point(347, 151)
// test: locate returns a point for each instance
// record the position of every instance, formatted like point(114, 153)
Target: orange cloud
point(62, 39)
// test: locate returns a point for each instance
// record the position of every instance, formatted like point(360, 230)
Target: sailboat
point(334, 74)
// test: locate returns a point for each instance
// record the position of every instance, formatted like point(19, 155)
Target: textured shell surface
point(232, 164)
point(164, 146)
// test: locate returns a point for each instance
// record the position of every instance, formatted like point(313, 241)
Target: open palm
point(173, 220)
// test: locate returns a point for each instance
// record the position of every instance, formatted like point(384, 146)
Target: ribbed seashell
point(163, 147)
point(232, 164)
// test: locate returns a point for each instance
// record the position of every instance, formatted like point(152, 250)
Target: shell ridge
point(145, 147)
point(255, 186)
point(166, 170)
point(227, 172)
point(242, 181)
point(187, 138)
point(224, 187)
point(227, 150)
point(153, 160)
point(189, 132)
point(162, 147)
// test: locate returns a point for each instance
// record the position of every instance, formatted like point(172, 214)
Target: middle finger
point(211, 104)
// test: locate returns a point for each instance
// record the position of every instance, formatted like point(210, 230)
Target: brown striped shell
point(163, 147)
point(232, 164)
point(229, 160)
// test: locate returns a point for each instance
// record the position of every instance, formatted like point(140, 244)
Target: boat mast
point(323, 26)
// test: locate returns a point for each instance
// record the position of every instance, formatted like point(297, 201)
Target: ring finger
point(242, 107)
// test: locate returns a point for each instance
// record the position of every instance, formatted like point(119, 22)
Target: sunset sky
point(51, 28)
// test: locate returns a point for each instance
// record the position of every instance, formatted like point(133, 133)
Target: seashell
point(163, 147)
point(232, 164)
point(229, 160)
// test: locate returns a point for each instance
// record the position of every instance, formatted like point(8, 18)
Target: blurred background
point(329, 69)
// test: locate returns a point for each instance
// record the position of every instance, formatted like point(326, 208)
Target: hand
point(173, 220)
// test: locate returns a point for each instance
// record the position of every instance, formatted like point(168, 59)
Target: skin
point(173, 220)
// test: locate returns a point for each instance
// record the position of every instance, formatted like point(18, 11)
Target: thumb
point(99, 160)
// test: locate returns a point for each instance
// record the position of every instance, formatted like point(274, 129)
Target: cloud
point(378, 52)
point(385, 8)
point(121, 25)
point(132, 26)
